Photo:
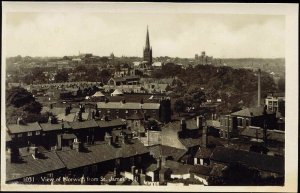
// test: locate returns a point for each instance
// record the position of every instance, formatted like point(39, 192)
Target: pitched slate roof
point(163, 150)
point(191, 142)
point(134, 148)
point(21, 128)
point(178, 168)
point(84, 124)
point(127, 105)
point(199, 169)
point(250, 112)
point(117, 92)
point(191, 124)
point(68, 136)
point(151, 168)
point(213, 123)
point(53, 127)
point(251, 159)
point(69, 118)
point(7, 137)
point(30, 166)
point(203, 152)
point(100, 153)
point(110, 123)
point(58, 110)
point(274, 135)
point(98, 94)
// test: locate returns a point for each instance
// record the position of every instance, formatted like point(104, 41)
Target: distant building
point(126, 80)
point(203, 59)
point(275, 102)
point(159, 111)
point(147, 56)
point(240, 120)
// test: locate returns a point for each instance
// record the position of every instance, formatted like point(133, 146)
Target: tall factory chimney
point(258, 88)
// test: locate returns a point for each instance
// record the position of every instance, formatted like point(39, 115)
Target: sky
point(171, 34)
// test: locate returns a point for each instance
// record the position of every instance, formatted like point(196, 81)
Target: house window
point(29, 134)
point(37, 133)
point(12, 136)
point(270, 103)
point(240, 121)
point(126, 111)
point(247, 122)
point(275, 103)
point(20, 135)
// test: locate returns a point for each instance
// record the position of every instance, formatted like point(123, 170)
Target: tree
point(33, 107)
point(21, 103)
point(62, 76)
point(194, 97)
point(18, 97)
point(281, 84)
point(171, 69)
point(92, 74)
point(179, 106)
point(28, 79)
point(38, 75)
point(80, 68)
point(105, 75)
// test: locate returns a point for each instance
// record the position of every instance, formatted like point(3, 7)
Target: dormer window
point(37, 133)
point(29, 134)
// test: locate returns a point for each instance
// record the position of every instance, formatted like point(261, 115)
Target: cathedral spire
point(147, 40)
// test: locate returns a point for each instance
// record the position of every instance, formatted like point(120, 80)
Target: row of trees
point(80, 73)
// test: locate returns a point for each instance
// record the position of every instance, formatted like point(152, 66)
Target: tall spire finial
point(147, 39)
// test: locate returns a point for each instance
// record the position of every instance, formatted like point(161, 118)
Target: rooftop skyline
point(171, 34)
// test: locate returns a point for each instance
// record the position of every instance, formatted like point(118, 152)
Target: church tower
point(148, 50)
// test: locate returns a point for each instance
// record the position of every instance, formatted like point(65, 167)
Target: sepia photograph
point(149, 96)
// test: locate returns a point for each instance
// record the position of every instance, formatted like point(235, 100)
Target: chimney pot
point(158, 163)
point(33, 150)
point(77, 145)
point(108, 138)
point(183, 125)
point(199, 121)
